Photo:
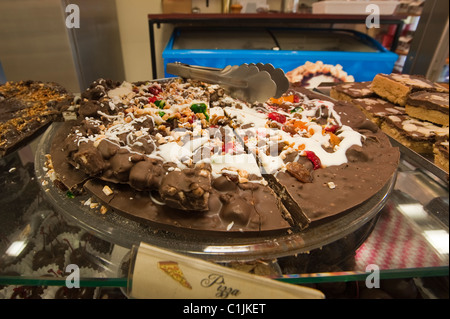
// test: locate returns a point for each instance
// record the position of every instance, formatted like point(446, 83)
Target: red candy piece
point(229, 146)
point(332, 128)
point(277, 117)
point(154, 90)
point(314, 159)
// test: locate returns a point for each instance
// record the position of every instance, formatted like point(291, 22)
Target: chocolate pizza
point(26, 109)
point(183, 154)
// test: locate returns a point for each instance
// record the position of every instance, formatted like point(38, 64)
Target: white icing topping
point(246, 115)
point(216, 111)
point(404, 78)
point(395, 118)
point(414, 126)
point(121, 92)
point(172, 152)
point(228, 162)
point(180, 145)
point(311, 138)
point(394, 110)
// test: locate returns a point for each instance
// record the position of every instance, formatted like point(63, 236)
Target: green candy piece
point(296, 109)
point(160, 103)
point(200, 108)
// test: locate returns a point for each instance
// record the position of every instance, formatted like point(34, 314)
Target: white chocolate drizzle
point(180, 145)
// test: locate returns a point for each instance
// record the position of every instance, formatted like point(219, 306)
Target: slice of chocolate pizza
point(321, 157)
point(26, 109)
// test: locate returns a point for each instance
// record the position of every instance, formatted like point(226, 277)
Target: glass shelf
point(407, 238)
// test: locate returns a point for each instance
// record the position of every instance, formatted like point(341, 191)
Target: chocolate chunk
point(90, 128)
point(107, 148)
point(28, 292)
point(146, 175)
point(143, 145)
point(182, 189)
point(223, 183)
point(95, 93)
point(106, 83)
point(82, 258)
point(357, 154)
point(89, 108)
point(249, 186)
point(90, 159)
point(42, 258)
point(146, 123)
point(367, 125)
point(120, 165)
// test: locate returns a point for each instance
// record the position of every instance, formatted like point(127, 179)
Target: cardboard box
point(353, 7)
point(177, 6)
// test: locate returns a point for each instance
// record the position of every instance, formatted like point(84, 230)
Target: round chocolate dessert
point(183, 154)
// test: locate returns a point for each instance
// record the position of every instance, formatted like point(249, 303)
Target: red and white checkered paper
point(395, 243)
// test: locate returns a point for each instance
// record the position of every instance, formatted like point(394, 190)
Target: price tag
point(163, 274)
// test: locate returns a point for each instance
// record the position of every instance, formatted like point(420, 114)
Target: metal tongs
point(247, 82)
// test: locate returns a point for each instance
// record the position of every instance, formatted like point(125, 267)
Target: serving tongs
point(247, 82)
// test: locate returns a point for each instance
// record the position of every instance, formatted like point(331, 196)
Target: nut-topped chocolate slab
point(184, 148)
point(26, 109)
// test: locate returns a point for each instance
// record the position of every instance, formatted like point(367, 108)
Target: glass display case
point(403, 233)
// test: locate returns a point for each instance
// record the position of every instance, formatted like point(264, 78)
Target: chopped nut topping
point(107, 190)
point(103, 210)
point(331, 185)
point(299, 172)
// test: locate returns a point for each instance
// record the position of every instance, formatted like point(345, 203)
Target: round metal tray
point(126, 232)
